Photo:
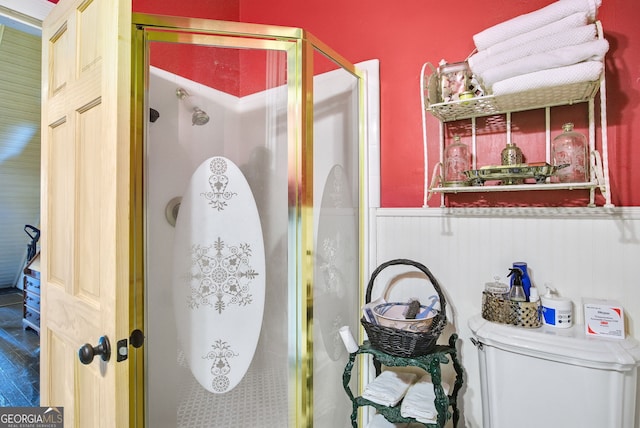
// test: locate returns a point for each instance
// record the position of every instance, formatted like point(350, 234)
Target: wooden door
point(86, 209)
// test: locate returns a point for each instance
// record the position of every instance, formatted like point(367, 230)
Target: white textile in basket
point(530, 21)
point(583, 72)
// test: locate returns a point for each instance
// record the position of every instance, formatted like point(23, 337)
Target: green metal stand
point(430, 363)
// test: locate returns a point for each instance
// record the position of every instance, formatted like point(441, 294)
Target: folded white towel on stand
point(569, 55)
point(582, 72)
point(556, 28)
point(571, 37)
point(536, 19)
point(419, 401)
point(389, 388)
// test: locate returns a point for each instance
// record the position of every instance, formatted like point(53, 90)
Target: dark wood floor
point(19, 355)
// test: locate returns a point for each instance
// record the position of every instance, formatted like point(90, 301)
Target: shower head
point(199, 117)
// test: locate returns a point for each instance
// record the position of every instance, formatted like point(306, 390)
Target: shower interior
point(253, 130)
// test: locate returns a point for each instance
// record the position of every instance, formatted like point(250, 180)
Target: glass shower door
point(251, 195)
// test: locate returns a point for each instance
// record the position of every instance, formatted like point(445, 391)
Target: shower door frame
point(299, 46)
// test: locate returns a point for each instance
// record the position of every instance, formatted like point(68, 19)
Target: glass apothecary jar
point(454, 80)
point(570, 148)
point(456, 162)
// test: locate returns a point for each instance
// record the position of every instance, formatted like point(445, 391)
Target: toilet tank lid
point(570, 346)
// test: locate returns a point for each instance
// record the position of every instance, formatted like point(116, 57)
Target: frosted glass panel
point(251, 132)
point(336, 199)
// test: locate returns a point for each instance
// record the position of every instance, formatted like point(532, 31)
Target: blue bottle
point(526, 281)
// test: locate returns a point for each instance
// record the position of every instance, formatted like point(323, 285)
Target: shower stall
point(252, 226)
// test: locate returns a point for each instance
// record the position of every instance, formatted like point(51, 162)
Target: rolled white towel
point(536, 19)
point(389, 388)
point(571, 37)
point(578, 19)
point(582, 72)
point(568, 55)
point(419, 402)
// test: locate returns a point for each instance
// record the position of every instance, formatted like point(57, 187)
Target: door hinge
point(136, 339)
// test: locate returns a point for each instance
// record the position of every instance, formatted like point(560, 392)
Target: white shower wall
point(583, 253)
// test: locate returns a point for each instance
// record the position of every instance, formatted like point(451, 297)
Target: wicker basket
point(402, 343)
point(504, 311)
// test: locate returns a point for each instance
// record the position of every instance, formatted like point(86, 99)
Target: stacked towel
point(531, 21)
point(389, 388)
point(483, 61)
point(591, 51)
point(419, 401)
point(555, 29)
point(556, 37)
point(583, 72)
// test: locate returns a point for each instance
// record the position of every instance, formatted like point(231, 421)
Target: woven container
point(403, 343)
point(505, 311)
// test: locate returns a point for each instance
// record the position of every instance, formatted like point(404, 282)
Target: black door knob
point(87, 352)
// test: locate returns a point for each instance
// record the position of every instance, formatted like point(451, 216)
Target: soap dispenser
point(517, 292)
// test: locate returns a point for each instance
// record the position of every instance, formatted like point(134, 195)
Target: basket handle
point(419, 266)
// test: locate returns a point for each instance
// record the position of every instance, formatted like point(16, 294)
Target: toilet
point(548, 377)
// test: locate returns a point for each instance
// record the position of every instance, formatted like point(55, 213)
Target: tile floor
point(19, 355)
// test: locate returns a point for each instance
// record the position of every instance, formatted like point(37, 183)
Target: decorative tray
point(512, 174)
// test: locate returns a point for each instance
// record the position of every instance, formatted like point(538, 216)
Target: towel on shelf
point(389, 388)
point(536, 19)
point(555, 29)
point(419, 401)
point(569, 55)
point(572, 37)
point(582, 72)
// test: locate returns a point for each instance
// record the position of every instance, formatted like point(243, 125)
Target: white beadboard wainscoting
point(581, 252)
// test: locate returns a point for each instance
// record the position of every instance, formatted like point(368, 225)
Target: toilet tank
point(548, 377)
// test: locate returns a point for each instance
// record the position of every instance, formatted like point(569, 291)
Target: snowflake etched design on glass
point(219, 194)
point(222, 274)
point(220, 353)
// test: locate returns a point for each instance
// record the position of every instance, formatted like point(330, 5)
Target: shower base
point(257, 401)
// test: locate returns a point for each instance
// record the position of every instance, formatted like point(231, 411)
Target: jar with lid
point(570, 149)
point(511, 155)
point(497, 289)
point(454, 80)
point(456, 162)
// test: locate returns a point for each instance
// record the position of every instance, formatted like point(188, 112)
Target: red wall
point(403, 35)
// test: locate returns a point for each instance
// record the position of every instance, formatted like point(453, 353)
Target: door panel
point(266, 108)
point(85, 216)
